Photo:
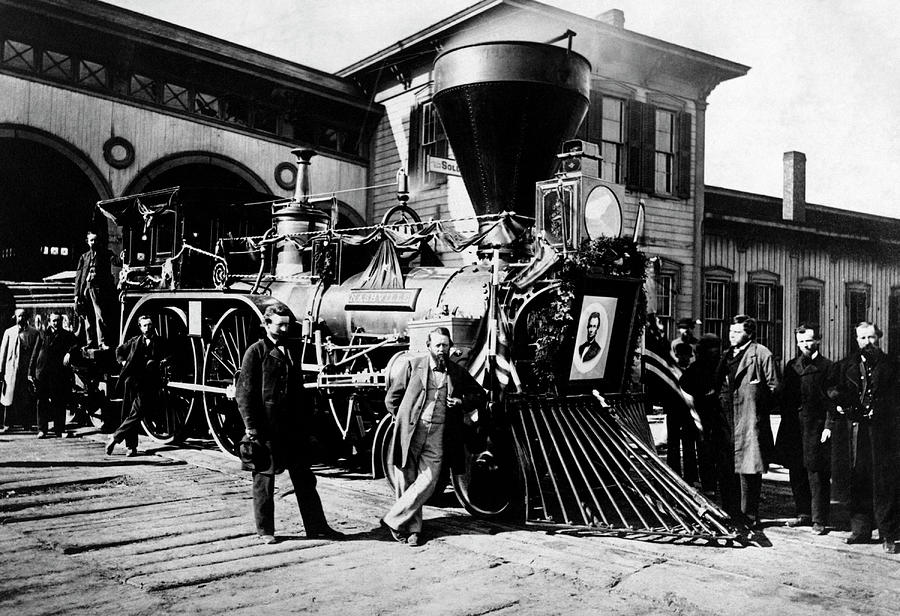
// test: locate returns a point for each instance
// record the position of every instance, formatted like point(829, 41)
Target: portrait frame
point(612, 302)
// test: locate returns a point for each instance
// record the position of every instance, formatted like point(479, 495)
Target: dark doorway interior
point(46, 205)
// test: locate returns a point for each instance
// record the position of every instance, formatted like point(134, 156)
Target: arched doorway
point(47, 194)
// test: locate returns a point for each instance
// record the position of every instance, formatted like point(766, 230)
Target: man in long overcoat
point(429, 397)
point(15, 354)
point(276, 408)
point(49, 367)
point(748, 382)
point(865, 387)
point(805, 415)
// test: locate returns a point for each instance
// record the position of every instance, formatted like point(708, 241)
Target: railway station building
point(105, 102)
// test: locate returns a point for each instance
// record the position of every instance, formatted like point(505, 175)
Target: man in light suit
point(15, 354)
point(428, 398)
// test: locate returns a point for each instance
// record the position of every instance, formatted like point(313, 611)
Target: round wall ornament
point(286, 175)
point(118, 152)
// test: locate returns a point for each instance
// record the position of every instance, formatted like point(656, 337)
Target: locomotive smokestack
point(506, 107)
point(302, 188)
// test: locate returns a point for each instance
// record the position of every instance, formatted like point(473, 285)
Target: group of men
point(736, 391)
point(35, 379)
point(429, 396)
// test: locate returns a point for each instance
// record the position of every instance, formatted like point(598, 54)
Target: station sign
point(447, 166)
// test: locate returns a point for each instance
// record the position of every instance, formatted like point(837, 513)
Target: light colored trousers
point(416, 481)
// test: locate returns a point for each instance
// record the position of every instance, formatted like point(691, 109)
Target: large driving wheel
point(167, 421)
point(232, 335)
point(488, 485)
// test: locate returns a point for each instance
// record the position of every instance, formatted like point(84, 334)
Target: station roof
point(726, 208)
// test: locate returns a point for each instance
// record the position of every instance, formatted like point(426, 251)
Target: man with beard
point(15, 354)
point(864, 387)
point(805, 416)
point(590, 349)
point(95, 291)
point(49, 370)
point(276, 408)
point(428, 398)
point(748, 380)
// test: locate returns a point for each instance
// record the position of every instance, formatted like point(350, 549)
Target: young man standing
point(49, 370)
point(275, 408)
point(805, 416)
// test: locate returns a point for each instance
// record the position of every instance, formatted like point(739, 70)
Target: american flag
point(661, 375)
point(495, 339)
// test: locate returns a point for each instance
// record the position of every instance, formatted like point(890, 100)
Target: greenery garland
point(613, 257)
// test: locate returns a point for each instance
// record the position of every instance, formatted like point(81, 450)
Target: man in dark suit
point(429, 397)
point(865, 388)
point(49, 370)
point(805, 415)
point(143, 358)
point(748, 381)
point(275, 408)
point(590, 349)
point(95, 292)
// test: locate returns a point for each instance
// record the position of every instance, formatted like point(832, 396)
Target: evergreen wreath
point(612, 257)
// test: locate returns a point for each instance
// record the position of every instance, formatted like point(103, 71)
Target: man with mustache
point(428, 399)
point(15, 354)
point(50, 373)
point(865, 388)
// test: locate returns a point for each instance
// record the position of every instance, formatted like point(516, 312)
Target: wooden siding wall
point(833, 266)
point(668, 227)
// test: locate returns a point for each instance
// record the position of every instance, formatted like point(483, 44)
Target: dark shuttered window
point(659, 150)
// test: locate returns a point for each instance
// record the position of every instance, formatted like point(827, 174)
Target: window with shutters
point(665, 302)
point(664, 148)
point(612, 139)
point(857, 300)
point(809, 301)
point(763, 302)
point(659, 150)
point(427, 139)
point(667, 277)
point(719, 298)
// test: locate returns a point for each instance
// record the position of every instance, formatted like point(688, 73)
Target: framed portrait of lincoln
point(598, 345)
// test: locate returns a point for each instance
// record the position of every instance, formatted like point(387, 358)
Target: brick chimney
point(794, 204)
point(613, 17)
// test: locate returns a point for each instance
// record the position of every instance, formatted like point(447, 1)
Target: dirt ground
point(170, 532)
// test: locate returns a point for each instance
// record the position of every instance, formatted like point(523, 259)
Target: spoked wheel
point(167, 421)
point(92, 404)
point(232, 335)
point(488, 484)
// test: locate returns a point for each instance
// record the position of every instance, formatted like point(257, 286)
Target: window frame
point(715, 324)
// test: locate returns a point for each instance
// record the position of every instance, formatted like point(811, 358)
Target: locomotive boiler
point(561, 455)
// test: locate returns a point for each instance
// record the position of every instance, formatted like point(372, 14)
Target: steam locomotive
point(506, 108)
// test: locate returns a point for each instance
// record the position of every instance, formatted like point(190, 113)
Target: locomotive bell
point(506, 107)
point(297, 218)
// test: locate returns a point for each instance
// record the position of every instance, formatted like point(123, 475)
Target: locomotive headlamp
point(577, 205)
point(602, 213)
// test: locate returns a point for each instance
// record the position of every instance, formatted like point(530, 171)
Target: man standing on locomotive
point(275, 408)
point(95, 291)
point(143, 358)
point(428, 399)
